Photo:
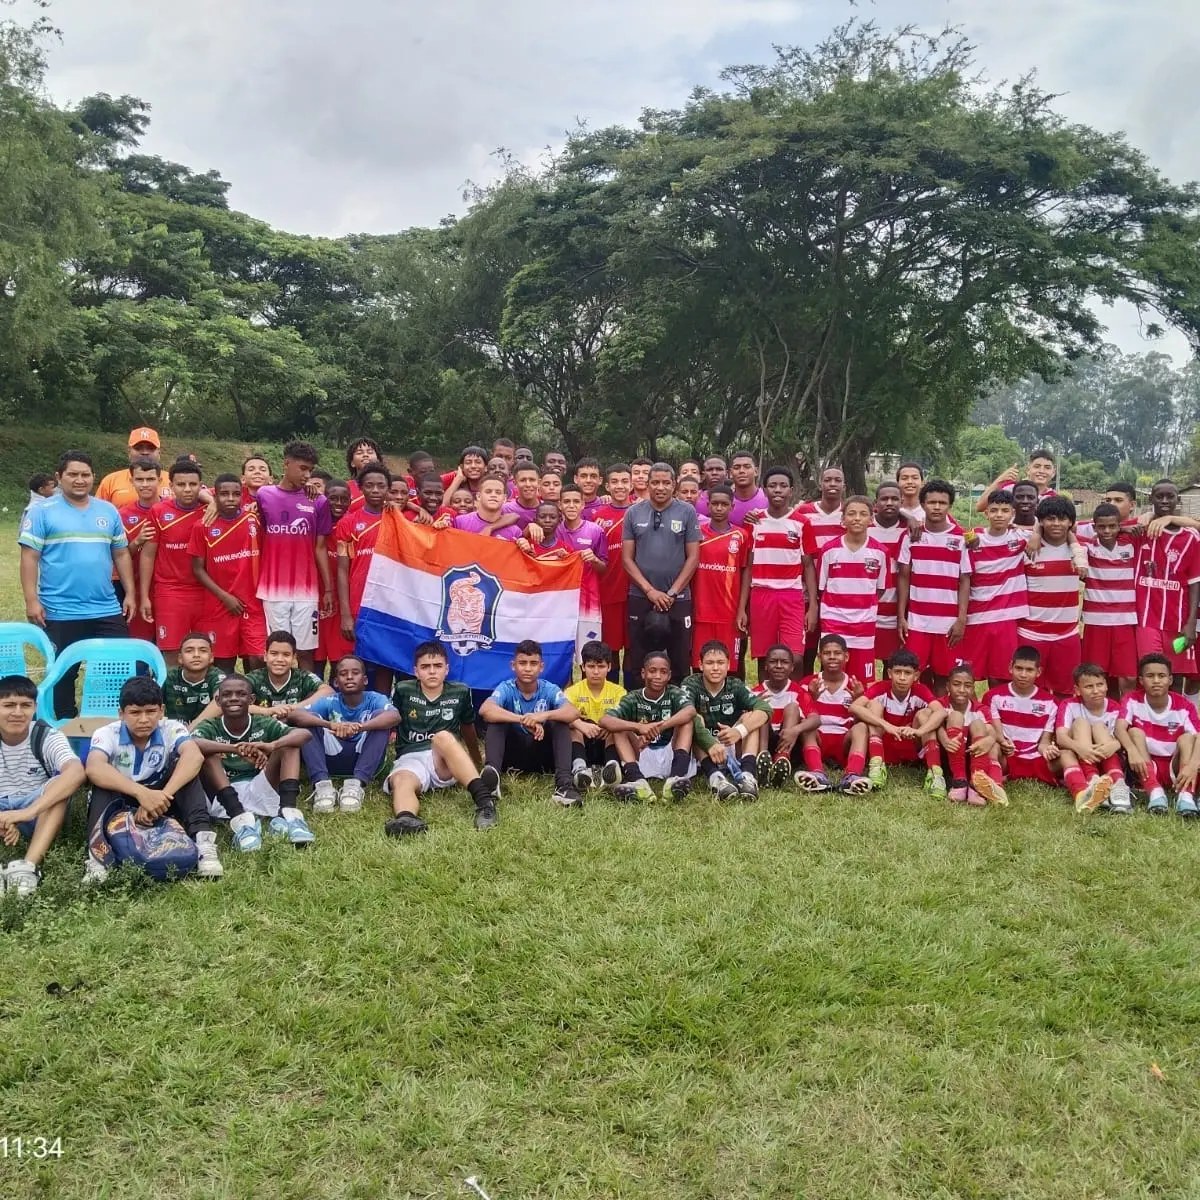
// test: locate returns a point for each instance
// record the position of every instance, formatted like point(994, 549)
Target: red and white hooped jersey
point(1023, 718)
point(900, 710)
point(936, 563)
point(777, 549)
point(832, 704)
point(890, 538)
point(1162, 728)
point(826, 527)
point(791, 693)
point(998, 591)
point(1053, 585)
point(850, 582)
point(1070, 711)
point(1109, 595)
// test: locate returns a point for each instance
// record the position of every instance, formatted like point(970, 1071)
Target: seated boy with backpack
point(38, 774)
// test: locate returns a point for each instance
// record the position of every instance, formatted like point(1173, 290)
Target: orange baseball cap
point(145, 435)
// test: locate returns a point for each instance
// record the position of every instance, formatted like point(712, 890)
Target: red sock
point(1074, 780)
point(1114, 768)
point(956, 752)
point(876, 745)
point(927, 753)
point(991, 768)
point(1089, 771)
point(855, 762)
point(1152, 780)
point(812, 758)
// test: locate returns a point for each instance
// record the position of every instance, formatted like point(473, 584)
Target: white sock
point(1157, 794)
point(289, 814)
point(579, 764)
point(242, 819)
point(206, 837)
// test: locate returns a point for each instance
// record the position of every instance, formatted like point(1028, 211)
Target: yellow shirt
point(591, 706)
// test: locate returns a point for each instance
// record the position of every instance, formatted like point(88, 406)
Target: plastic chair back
point(16, 637)
point(107, 664)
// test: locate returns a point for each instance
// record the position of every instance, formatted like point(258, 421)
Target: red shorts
point(860, 664)
point(989, 648)
point(887, 642)
point(330, 643)
point(711, 631)
point(178, 613)
point(234, 637)
point(776, 615)
point(1156, 641)
point(900, 751)
point(1113, 648)
point(142, 630)
point(934, 652)
point(835, 747)
point(614, 622)
point(1035, 768)
point(1059, 660)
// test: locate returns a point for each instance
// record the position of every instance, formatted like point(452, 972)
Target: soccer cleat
point(1185, 806)
point(748, 786)
point(485, 814)
point(781, 773)
point(583, 779)
point(490, 778)
point(989, 789)
point(1094, 795)
point(568, 797)
point(877, 773)
point(854, 785)
point(351, 798)
point(1156, 803)
point(293, 827)
point(1119, 799)
point(975, 799)
point(958, 791)
point(247, 834)
point(937, 785)
point(209, 864)
point(403, 825)
point(676, 787)
point(324, 797)
point(94, 871)
point(610, 774)
point(22, 877)
point(762, 767)
point(813, 782)
point(723, 787)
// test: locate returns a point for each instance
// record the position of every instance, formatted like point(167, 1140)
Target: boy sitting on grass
point(792, 715)
point(727, 726)
point(282, 685)
point(436, 746)
point(1157, 729)
point(652, 729)
point(967, 732)
point(594, 695)
point(190, 689)
point(252, 768)
point(838, 737)
point(1022, 716)
point(147, 761)
point(1085, 730)
point(38, 775)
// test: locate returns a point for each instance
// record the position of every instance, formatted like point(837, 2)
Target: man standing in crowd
point(117, 486)
point(660, 550)
point(70, 544)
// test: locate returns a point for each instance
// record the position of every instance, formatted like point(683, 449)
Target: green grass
point(821, 997)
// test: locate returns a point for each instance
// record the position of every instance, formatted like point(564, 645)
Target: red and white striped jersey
point(935, 563)
point(1023, 718)
point(790, 693)
point(1161, 728)
point(1053, 596)
point(777, 549)
point(1070, 711)
point(850, 582)
point(998, 591)
point(1166, 567)
point(969, 715)
point(826, 527)
point(889, 537)
point(832, 703)
point(1108, 592)
point(900, 710)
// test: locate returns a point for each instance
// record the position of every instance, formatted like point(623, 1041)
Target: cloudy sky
point(371, 115)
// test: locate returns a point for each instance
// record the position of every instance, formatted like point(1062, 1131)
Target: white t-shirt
point(139, 765)
point(22, 774)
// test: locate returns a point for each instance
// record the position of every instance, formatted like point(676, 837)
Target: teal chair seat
point(16, 638)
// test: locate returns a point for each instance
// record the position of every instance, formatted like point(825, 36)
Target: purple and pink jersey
point(474, 523)
point(291, 522)
point(741, 508)
point(589, 536)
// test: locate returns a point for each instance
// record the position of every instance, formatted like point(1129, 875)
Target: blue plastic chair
point(15, 638)
point(107, 663)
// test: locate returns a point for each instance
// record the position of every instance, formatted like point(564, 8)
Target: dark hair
point(1105, 510)
point(715, 458)
point(713, 647)
point(1154, 660)
point(362, 662)
point(721, 489)
point(1123, 486)
point(476, 451)
point(1025, 483)
point(1041, 453)
point(543, 471)
point(375, 468)
point(70, 456)
point(425, 480)
point(302, 452)
point(656, 654)
point(419, 456)
point(226, 477)
point(184, 466)
point(281, 635)
point(856, 500)
point(960, 669)
point(249, 459)
point(616, 468)
point(588, 462)
point(332, 483)
point(39, 479)
point(194, 635)
point(770, 472)
point(492, 477)
point(1027, 654)
point(18, 685)
point(1160, 482)
point(1001, 496)
point(596, 652)
point(570, 487)
point(830, 639)
point(508, 443)
point(140, 691)
point(147, 464)
point(942, 487)
point(910, 465)
point(640, 462)
point(904, 658)
point(780, 646)
point(356, 444)
point(1055, 506)
point(1088, 671)
point(887, 483)
point(528, 647)
point(234, 677)
point(660, 468)
point(741, 454)
point(525, 464)
point(322, 474)
point(430, 649)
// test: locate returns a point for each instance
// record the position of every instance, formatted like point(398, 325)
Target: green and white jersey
point(649, 710)
point(422, 716)
point(261, 729)
point(726, 706)
point(299, 687)
point(184, 700)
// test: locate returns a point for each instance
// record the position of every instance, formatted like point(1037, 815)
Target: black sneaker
point(568, 797)
point(485, 815)
point(762, 767)
point(404, 824)
point(781, 773)
point(490, 778)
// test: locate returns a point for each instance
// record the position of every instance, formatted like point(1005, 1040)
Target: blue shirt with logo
point(547, 696)
point(335, 709)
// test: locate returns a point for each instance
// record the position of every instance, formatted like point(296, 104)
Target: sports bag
point(163, 850)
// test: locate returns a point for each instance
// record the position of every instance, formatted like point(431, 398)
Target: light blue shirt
point(335, 709)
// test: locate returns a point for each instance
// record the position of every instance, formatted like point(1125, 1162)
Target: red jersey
point(133, 520)
point(717, 584)
point(1167, 566)
point(936, 563)
point(355, 536)
point(1162, 728)
point(826, 527)
point(998, 591)
point(832, 704)
point(614, 583)
point(900, 710)
point(1053, 596)
point(171, 528)
point(1109, 597)
point(850, 583)
point(228, 547)
point(1023, 718)
point(790, 693)
point(1070, 711)
point(890, 538)
point(777, 550)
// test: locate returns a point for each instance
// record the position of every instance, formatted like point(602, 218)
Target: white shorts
point(655, 762)
point(420, 764)
point(297, 617)
point(586, 630)
point(257, 796)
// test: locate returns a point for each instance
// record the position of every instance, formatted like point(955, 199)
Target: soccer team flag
point(476, 595)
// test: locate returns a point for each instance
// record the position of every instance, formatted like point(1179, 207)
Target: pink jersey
point(777, 549)
point(1166, 567)
point(998, 592)
point(290, 523)
point(1053, 586)
point(1023, 718)
point(832, 705)
point(1070, 711)
point(890, 538)
point(589, 536)
point(1109, 597)
point(900, 710)
point(791, 693)
point(851, 582)
point(1161, 728)
point(740, 509)
point(936, 563)
point(826, 527)
point(474, 523)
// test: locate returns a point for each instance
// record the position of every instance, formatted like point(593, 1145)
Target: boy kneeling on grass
point(436, 746)
point(652, 730)
point(594, 695)
point(1157, 728)
point(968, 733)
point(729, 724)
point(1085, 730)
point(38, 774)
point(147, 761)
point(252, 768)
point(838, 737)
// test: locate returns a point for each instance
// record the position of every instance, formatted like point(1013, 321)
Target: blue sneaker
point(1156, 804)
point(1185, 805)
point(248, 837)
point(295, 829)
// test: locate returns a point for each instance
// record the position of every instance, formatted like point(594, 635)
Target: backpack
point(37, 743)
point(163, 850)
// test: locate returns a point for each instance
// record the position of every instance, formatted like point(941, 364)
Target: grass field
point(880, 997)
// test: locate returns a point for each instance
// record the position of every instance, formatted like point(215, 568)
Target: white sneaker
point(352, 795)
point(94, 871)
point(22, 877)
point(209, 866)
point(1119, 799)
point(324, 797)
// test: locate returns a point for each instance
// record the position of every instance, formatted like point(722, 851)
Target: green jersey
point(422, 716)
point(261, 729)
point(637, 706)
point(299, 686)
point(184, 700)
point(731, 700)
